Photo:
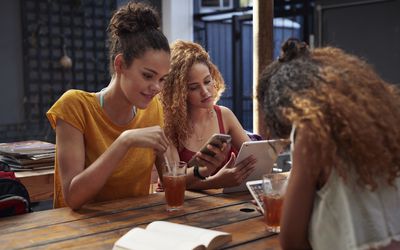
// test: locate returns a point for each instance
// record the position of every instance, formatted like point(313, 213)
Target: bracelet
point(197, 173)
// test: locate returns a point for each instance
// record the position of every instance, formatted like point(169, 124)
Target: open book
point(167, 235)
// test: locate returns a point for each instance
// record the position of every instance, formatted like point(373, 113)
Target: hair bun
point(133, 18)
point(293, 48)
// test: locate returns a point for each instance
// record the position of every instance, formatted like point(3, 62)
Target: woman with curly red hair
point(191, 90)
point(344, 188)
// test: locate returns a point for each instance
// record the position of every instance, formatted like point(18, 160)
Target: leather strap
point(197, 173)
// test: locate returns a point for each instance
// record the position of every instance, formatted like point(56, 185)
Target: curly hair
point(133, 29)
point(184, 55)
point(346, 105)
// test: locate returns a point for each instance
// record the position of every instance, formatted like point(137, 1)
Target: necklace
point(102, 102)
point(200, 137)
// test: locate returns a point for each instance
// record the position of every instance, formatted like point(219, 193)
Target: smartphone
point(216, 140)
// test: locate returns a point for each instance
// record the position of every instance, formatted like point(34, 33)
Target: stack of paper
point(27, 155)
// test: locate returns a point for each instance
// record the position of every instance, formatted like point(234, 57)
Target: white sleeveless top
point(347, 216)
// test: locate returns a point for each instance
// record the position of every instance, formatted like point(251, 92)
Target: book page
point(210, 238)
point(141, 239)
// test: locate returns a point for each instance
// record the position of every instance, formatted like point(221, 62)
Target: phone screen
point(215, 140)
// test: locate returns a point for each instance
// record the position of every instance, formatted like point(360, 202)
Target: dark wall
point(369, 29)
point(36, 34)
point(11, 83)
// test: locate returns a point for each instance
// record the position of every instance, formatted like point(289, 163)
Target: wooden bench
point(39, 183)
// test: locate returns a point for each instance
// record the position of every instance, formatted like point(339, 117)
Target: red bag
point(14, 198)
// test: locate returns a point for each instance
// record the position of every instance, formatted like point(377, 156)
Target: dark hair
point(347, 107)
point(134, 28)
point(273, 93)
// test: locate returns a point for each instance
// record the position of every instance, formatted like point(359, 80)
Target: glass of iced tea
point(174, 182)
point(274, 186)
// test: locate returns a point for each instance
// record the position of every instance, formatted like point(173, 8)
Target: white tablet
point(266, 152)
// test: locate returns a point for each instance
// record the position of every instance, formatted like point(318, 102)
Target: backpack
point(14, 198)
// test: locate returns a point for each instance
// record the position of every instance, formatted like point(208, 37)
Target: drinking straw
point(167, 163)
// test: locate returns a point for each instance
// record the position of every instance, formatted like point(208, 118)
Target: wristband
point(197, 173)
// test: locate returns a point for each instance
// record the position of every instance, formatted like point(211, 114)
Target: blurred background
point(50, 46)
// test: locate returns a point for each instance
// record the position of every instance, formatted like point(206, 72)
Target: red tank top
point(186, 154)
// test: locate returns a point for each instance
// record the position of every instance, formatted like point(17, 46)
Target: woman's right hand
point(212, 163)
point(231, 175)
point(149, 137)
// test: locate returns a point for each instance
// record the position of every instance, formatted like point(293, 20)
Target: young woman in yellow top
point(107, 142)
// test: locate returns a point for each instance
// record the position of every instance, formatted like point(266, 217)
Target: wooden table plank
point(62, 215)
point(247, 234)
point(98, 226)
point(246, 231)
point(270, 243)
point(120, 219)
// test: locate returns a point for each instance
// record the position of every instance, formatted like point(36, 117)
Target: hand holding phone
point(215, 140)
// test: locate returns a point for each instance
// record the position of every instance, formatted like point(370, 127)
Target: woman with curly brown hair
point(191, 90)
point(344, 188)
point(107, 142)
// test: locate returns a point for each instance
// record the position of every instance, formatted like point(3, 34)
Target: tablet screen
point(266, 152)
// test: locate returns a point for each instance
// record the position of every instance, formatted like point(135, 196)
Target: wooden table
point(98, 226)
point(39, 183)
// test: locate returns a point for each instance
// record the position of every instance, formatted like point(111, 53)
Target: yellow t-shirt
point(82, 110)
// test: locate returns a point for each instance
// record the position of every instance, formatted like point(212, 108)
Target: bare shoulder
point(227, 115)
point(225, 110)
point(233, 127)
